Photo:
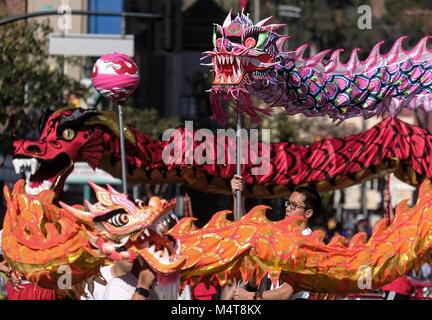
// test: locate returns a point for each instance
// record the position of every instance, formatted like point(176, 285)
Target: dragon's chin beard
point(167, 286)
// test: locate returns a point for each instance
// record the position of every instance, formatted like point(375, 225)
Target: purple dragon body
point(249, 61)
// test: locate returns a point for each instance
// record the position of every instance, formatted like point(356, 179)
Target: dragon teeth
point(147, 233)
point(27, 166)
point(152, 249)
point(236, 73)
point(46, 185)
point(164, 260)
point(35, 165)
point(17, 165)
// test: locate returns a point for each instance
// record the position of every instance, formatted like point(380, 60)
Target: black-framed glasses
point(292, 205)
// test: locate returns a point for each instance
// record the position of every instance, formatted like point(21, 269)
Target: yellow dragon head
point(121, 229)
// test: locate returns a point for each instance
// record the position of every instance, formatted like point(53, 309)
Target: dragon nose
point(33, 149)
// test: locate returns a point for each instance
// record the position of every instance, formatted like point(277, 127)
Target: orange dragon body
point(236, 249)
point(118, 228)
point(37, 239)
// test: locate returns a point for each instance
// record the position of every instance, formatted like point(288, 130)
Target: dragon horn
point(93, 210)
point(95, 187)
point(112, 190)
point(79, 214)
point(77, 118)
point(227, 21)
point(102, 194)
point(263, 22)
point(272, 27)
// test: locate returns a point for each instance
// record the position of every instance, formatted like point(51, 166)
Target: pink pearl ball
point(115, 76)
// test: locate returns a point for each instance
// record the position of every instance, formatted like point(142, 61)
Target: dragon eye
point(255, 39)
point(68, 134)
point(250, 42)
point(119, 220)
point(262, 38)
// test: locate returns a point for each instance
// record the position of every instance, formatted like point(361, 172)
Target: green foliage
point(30, 79)
point(148, 121)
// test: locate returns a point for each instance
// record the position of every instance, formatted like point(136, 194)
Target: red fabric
point(290, 164)
point(400, 285)
point(29, 291)
point(201, 292)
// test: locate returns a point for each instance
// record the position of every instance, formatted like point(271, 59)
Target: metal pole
point(122, 148)
point(123, 25)
point(257, 13)
point(238, 211)
point(387, 204)
point(149, 16)
point(363, 204)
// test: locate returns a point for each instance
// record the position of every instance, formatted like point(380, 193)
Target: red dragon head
point(121, 229)
point(66, 136)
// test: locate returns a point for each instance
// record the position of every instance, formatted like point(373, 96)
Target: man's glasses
point(292, 205)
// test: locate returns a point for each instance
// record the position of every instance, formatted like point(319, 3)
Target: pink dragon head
point(243, 51)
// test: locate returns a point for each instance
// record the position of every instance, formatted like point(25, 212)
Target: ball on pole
point(115, 76)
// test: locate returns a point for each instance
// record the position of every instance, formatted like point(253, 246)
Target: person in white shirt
point(134, 284)
point(96, 290)
point(303, 201)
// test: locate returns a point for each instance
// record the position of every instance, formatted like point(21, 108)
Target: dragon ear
point(227, 21)
point(121, 199)
point(102, 194)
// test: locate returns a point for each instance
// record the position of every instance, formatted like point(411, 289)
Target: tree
point(148, 121)
point(30, 79)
